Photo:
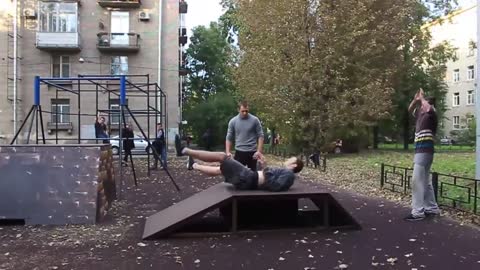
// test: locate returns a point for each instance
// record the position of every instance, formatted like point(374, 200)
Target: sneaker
point(414, 218)
point(432, 214)
point(178, 146)
point(190, 163)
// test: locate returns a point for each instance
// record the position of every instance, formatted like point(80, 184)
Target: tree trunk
point(406, 130)
point(375, 137)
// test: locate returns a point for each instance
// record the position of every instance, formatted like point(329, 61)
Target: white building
point(460, 30)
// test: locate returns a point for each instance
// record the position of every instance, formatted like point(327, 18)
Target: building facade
point(460, 30)
point(96, 37)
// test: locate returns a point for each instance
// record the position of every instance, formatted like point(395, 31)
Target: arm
point(260, 136)
point(229, 138)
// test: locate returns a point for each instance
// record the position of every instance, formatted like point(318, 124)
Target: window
point(60, 66)
point(471, 51)
point(471, 73)
point(470, 120)
point(456, 75)
point(456, 122)
point(58, 17)
point(456, 99)
point(115, 115)
point(119, 65)
point(470, 97)
point(60, 110)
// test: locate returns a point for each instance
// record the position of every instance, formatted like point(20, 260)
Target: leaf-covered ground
point(116, 243)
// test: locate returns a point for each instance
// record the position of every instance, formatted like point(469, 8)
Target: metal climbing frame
point(121, 87)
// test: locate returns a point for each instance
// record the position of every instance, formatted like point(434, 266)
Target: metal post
point(79, 110)
point(435, 185)
point(477, 99)
point(382, 175)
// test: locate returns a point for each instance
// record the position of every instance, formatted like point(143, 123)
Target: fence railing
point(460, 193)
point(317, 161)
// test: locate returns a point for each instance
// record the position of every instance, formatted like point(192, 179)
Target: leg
point(163, 154)
point(246, 158)
point(210, 170)
point(128, 152)
point(418, 190)
point(205, 155)
point(430, 204)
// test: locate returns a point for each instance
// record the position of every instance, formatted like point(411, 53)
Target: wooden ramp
point(241, 211)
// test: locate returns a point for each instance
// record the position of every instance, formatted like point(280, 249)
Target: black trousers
point(128, 152)
point(246, 158)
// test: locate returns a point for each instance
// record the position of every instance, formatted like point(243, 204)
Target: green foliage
point(210, 94)
point(209, 57)
point(317, 67)
point(212, 114)
point(466, 136)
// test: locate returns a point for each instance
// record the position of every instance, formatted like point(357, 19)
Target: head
point(294, 163)
point(102, 120)
point(159, 126)
point(243, 109)
point(431, 101)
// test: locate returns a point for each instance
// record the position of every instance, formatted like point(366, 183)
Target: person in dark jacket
point(160, 147)
point(128, 143)
point(240, 176)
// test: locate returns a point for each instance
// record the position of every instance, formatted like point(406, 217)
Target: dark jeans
point(128, 152)
point(162, 151)
point(246, 158)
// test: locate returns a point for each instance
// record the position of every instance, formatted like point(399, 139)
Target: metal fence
point(317, 161)
point(460, 193)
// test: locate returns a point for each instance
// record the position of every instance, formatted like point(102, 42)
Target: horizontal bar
point(80, 78)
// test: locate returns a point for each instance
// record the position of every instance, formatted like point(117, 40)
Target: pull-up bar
point(121, 78)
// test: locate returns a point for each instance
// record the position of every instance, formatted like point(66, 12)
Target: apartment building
point(460, 30)
point(88, 37)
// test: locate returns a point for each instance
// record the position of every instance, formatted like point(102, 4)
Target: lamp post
point(477, 99)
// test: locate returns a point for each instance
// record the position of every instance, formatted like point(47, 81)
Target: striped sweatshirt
point(425, 129)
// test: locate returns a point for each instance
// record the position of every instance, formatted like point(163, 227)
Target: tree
point(209, 57)
point(421, 66)
point(210, 93)
point(320, 68)
point(212, 114)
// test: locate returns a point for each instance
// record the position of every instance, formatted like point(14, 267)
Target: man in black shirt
point(128, 143)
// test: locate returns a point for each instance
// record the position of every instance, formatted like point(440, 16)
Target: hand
point(258, 155)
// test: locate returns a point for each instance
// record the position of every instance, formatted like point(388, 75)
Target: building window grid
point(470, 97)
point(456, 75)
point(456, 122)
point(58, 17)
point(60, 111)
point(456, 99)
point(60, 66)
point(471, 72)
point(119, 65)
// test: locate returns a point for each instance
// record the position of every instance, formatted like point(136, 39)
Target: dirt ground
point(385, 241)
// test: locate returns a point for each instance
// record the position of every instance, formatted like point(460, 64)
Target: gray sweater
point(245, 131)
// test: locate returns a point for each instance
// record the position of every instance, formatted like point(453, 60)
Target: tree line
point(315, 71)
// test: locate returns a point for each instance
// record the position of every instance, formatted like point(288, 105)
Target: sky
point(201, 12)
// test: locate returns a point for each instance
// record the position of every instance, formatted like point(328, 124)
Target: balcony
point(54, 41)
point(54, 126)
point(182, 7)
point(182, 31)
point(120, 3)
point(182, 71)
point(118, 42)
point(183, 40)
